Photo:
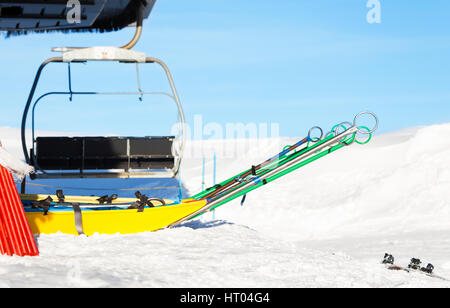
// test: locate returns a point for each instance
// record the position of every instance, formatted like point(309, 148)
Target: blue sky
point(298, 63)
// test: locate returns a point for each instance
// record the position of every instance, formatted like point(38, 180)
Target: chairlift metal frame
point(112, 54)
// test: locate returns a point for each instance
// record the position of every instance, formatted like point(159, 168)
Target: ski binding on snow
point(414, 266)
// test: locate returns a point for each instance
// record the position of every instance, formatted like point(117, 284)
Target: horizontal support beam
point(111, 175)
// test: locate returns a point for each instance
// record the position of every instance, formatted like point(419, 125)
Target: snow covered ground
point(326, 225)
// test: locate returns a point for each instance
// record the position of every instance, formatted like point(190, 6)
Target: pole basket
point(16, 237)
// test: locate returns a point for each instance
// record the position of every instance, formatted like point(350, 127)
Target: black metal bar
point(30, 99)
point(83, 155)
point(23, 185)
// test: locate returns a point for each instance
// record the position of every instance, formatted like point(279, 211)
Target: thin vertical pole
point(215, 169)
point(203, 174)
point(23, 186)
point(180, 184)
point(214, 179)
point(70, 82)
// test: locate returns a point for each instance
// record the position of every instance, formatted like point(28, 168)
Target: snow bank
point(325, 225)
point(397, 183)
point(217, 254)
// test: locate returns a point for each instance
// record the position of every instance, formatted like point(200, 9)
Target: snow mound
point(325, 225)
point(398, 183)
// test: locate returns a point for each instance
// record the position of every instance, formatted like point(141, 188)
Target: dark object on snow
point(429, 269)
point(388, 259)
point(23, 16)
point(415, 264)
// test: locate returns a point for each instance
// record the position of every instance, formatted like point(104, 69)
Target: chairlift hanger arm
point(138, 33)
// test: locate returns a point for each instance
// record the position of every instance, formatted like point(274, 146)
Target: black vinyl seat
point(102, 153)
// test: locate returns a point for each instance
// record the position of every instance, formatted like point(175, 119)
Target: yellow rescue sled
point(108, 219)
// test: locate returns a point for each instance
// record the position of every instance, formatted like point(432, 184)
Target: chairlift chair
point(102, 157)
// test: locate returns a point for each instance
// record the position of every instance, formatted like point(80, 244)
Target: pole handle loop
point(363, 131)
point(315, 139)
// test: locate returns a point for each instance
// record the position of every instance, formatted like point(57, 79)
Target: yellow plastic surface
point(112, 221)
